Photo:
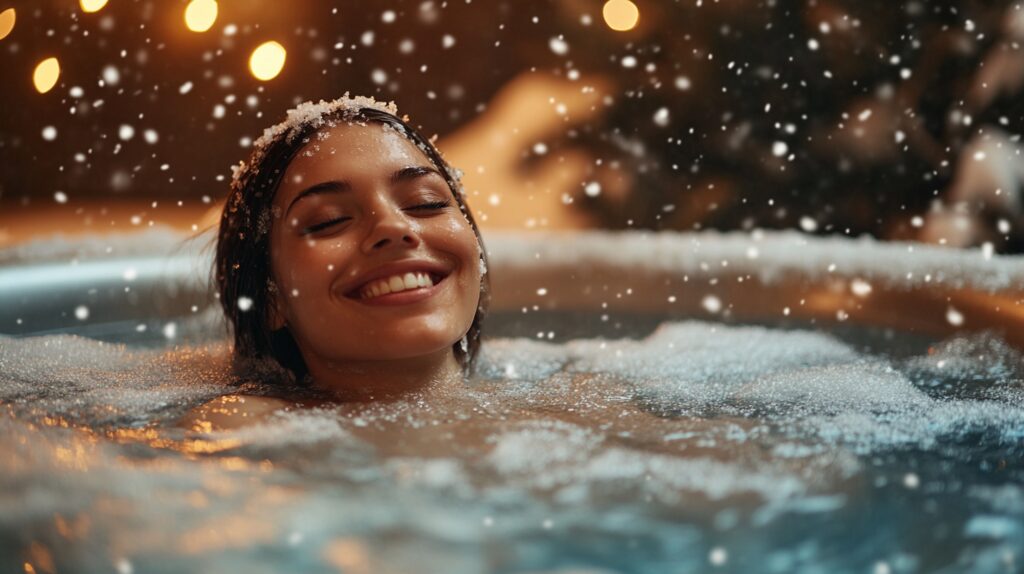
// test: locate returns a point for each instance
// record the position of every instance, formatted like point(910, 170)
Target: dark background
point(755, 73)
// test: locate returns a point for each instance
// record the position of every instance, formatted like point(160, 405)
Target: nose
point(389, 227)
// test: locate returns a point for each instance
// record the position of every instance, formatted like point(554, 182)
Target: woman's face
point(372, 258)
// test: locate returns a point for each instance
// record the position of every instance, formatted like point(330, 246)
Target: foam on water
point(92, 382)
point(698, 433)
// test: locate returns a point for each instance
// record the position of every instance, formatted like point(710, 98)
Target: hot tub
point(644, 403)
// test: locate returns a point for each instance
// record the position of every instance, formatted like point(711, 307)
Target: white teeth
point(395, 284)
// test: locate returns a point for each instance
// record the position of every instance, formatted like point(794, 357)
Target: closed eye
point(324, 225)
point(431, 205)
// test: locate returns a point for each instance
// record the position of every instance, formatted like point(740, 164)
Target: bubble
point(718, 556)
point(711, 304)
point(860, 287)
point(559, 46)
point(954, 317)
point(111, 75)
point(661, 117)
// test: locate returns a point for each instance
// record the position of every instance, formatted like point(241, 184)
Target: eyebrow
point(338, 186)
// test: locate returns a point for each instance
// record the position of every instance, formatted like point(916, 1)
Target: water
point(651, 447)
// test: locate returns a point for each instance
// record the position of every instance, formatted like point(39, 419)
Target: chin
point(396, 348)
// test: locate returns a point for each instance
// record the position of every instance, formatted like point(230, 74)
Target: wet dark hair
point(242, 268)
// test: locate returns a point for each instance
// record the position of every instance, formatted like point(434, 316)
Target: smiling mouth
point(397, 283)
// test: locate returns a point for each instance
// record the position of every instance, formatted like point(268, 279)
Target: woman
point(348, 258)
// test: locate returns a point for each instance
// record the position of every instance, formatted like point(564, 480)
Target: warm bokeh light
point(200, 15)
point(6, 22)
point(92, 5)
point(46, 74)
point(267, 60)
point(620, 15)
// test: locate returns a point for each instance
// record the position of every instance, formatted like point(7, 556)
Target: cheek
point(297, 267)
point(465, 243)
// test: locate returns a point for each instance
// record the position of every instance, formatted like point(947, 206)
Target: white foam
point(695, 364)
point(92, 382)
point(304, 115)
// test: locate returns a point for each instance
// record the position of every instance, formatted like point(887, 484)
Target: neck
point(388, 380)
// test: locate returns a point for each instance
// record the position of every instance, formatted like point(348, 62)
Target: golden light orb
point(92, 5)
point(200, 15)
point(267, 60)
point(6, 22)
point(46, 74)
point(620, 15)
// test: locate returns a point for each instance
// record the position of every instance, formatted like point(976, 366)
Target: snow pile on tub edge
point(767, 255)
